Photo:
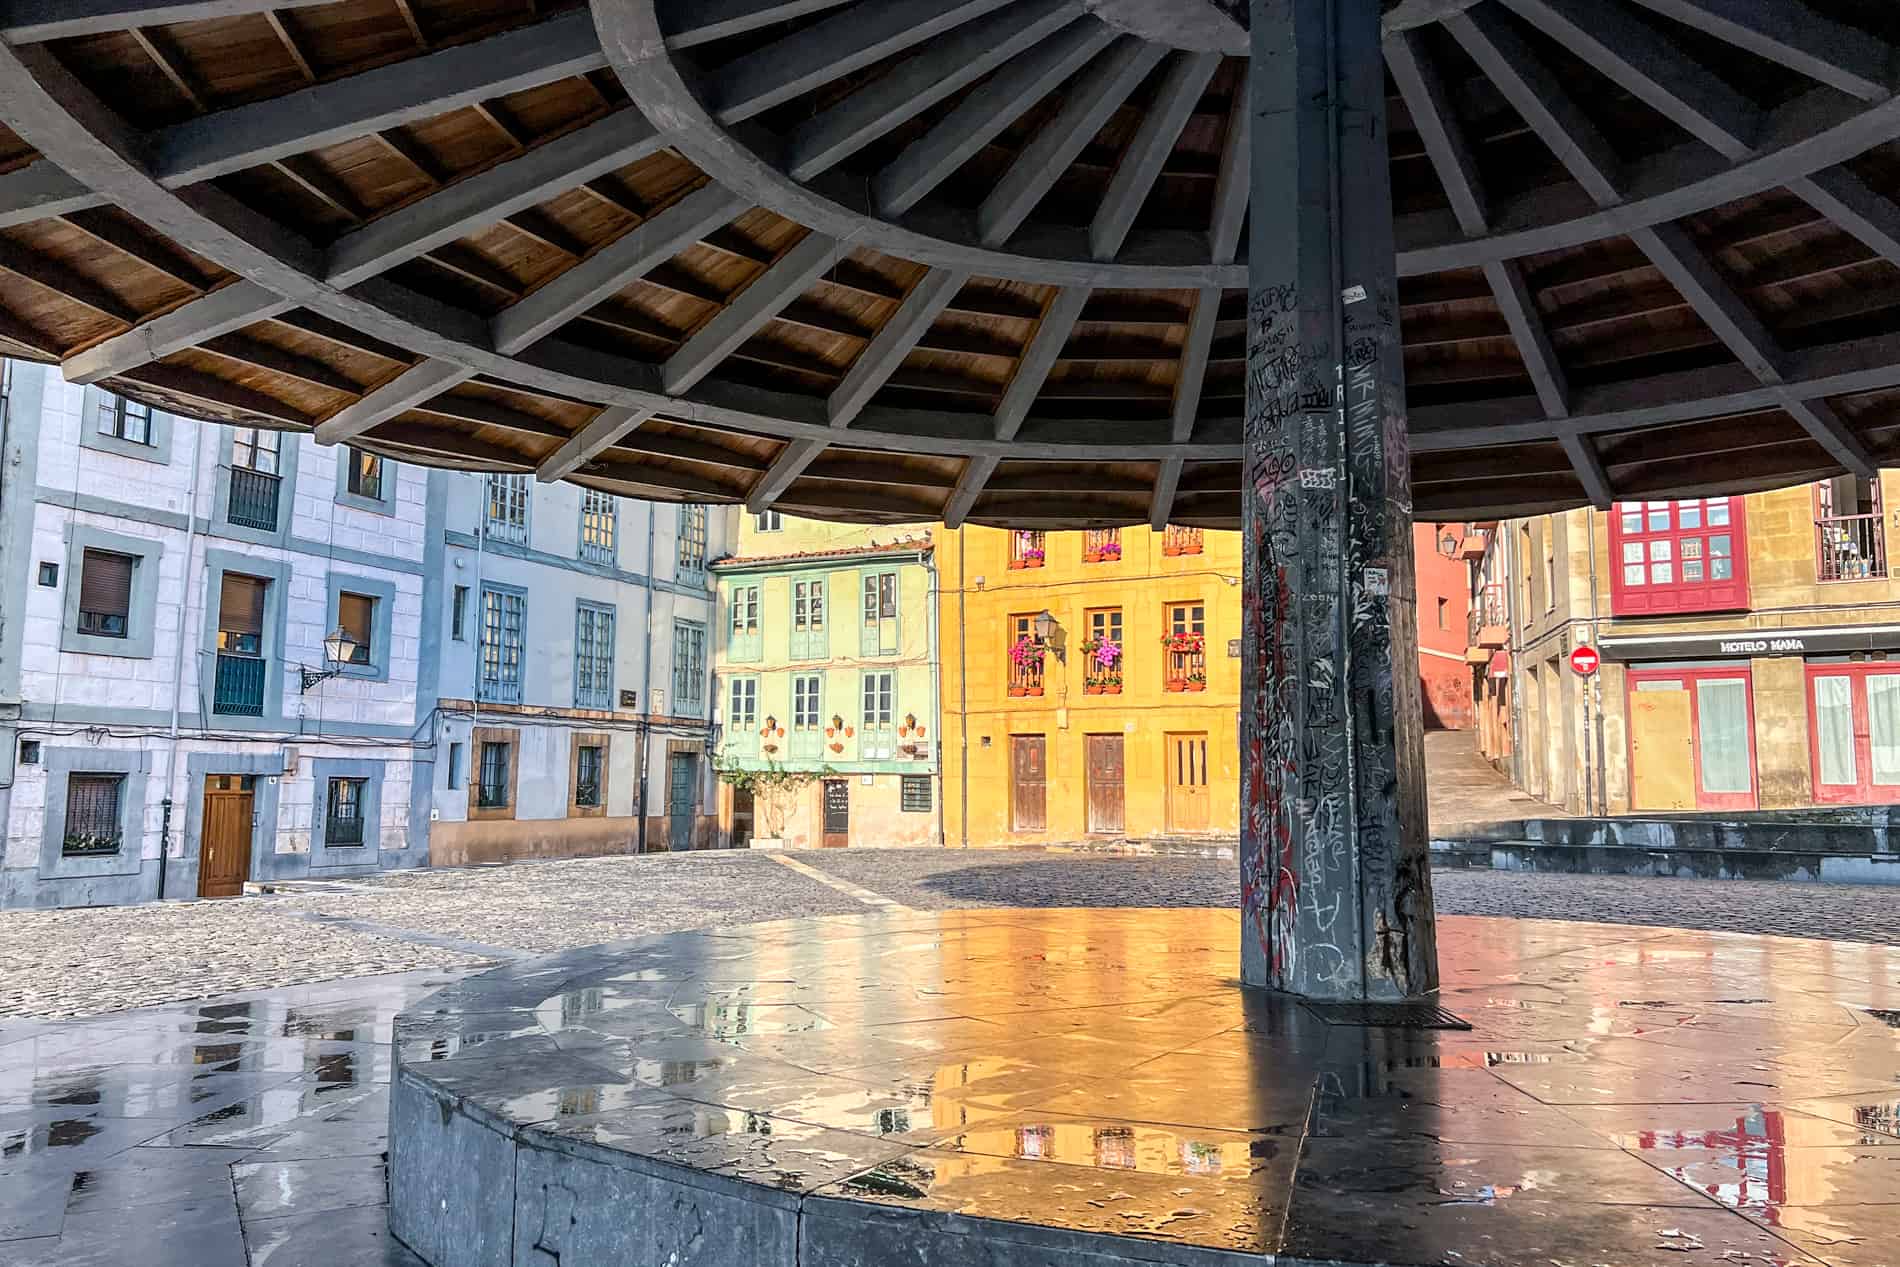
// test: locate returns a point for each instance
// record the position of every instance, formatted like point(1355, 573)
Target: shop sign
point(1766, 642)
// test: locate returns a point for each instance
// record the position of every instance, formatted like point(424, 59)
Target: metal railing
point(1177, 541)
point(254, 496)
point(239, 687)
point(344, 831)
point(1850, 548)
point(1490, 609)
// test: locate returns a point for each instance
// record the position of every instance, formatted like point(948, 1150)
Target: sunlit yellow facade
point(1176, 737)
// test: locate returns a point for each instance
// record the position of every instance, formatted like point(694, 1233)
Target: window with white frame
point(689, 666)
point(124, 419)
point(878, 633)
point(255, 449)
point(504, 621)
point(593, 656)
point(506, 510)
point(808, 619)
point(877, 736)
point(768, 521)
point(692, 556)
point(807, 702)
point(742, 704)
point(744, 640)
point(600, 525)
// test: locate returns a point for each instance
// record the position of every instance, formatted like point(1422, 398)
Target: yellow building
point(825, 667)
point(1077, 743)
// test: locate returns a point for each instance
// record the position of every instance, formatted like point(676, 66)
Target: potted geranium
point(1108, 667)
point(1025, 659)
point(1197, 679)
point(1184, 656)
point(1033, 556)
point(1111, 551)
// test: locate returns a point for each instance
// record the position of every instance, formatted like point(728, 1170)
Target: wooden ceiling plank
point(194, 385)
point(1629, 54)
point(247, 351)
point(886, 352)
point(983, 115)
point(30, 21)
point(280, 27)
point(331, 331)
point(786, 468)
point(1832, 432)
point(162, 58)
point(1792, 34)
point(49, 274)
point(414, 385)
point(320, 184)
point(387, 96)
point(657, 444)
point(416, 33)
point(418, 159)
point(1101, 91)
point(1045, 347)
point(832, 48)
point(608, 269)
point(944, 66)
point(606, 430)
point(976, 474)
point(465, 263)
point(1429, 102)
point(1846, 200)
point(229, 308)
point(747, 312)
point(690, 22)
point(102, 226)
point(1155, 138)
point(1681, 261)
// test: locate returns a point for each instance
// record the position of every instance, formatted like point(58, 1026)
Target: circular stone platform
point(1060, 1088)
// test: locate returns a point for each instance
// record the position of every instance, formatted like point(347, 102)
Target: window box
point(1101, 545)
point(1026, 550)
point(1176, 542)
point(1025, 658)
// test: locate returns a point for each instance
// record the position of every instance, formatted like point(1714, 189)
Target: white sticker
point(1354, 294)
point(1378, 581)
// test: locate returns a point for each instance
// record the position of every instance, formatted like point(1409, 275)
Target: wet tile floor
point(239, 1132)
point(1624, 1096)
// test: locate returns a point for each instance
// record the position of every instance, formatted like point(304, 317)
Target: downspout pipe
point(178, 654)
point(646, 682)
point(963, 685)
point(936, 678)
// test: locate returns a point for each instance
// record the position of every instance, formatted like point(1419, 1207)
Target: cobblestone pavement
point(80, 963)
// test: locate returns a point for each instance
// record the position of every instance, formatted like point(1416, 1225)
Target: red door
point(1854, 732)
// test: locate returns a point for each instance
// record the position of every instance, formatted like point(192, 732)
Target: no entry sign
point(1584, 661)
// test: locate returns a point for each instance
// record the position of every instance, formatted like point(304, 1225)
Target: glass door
point(1854, 732)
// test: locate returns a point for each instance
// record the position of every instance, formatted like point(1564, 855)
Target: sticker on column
point(1353, 294)
point(1378, 581)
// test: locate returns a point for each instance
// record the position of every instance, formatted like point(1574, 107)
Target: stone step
point(1823, 866)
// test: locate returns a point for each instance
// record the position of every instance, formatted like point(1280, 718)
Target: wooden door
point(837, 833)
point(682, 781)
point(1105, 783)
point(1662, 747)
point(224, 843)
point(1187, 782)
point(1028, 783)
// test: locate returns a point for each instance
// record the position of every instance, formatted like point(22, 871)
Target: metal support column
point(1336, 882)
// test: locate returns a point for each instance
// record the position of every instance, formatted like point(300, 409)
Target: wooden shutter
point(241, 606)
point(105, 583)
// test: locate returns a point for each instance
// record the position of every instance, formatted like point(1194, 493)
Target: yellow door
point(1662, 751)
point(1187, 782)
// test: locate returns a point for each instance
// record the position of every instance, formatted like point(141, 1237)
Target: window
point(914, 796)
point(809, 641)
point(455, 766)
point(768, 521)
point(241, 615)
point(366, 474)
point(743, 710)
point(692, 556)
point(493, 783)
point(1185, 647)
point(1102, 545)
point(1444, 613)
point(1177, 541)
point(356, 616)
point(1550, 565)
point(1102, 652)
point(343, 816)
point(254, 449)
point(689, 666)
point(504, 616)
point(593, 656)
point(124, 419)
point(1854, 729)
point(94, 824)
point(589, 764)
point(877, 737)
point(1678, 556)
point(105, 593)
point(600, 525)
point(458, 619)
point(1026, 549)
point(808, 716)
point(1026, 656)
point(506, 512)
point(879, 632)
point(1850, 534)
point(256, 479)
point(744, 640)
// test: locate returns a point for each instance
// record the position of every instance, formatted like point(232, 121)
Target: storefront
point(1854, 730)
point(1691, 729)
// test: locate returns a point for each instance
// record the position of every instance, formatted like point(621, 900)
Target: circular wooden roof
point(907, 259)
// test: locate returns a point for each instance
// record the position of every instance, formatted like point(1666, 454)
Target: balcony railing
point(239, 688)
point(254, 497)
point(1850, 548)
point(1177, 541)
point(1489, 621)
point(1025, 676)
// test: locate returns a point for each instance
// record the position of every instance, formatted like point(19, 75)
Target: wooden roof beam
point(885, 353)
point(982, 116)
point(1195, 354)
point(1233, 187)
point(611, 267)
point(29, 21)
point(606, 430)
point(946, 65)
point(1793, 35)
point(1167, 488)
point(1032, 371)
point(411, 387)
point(1159, 132)
point(1584, 459)
point(976, 474)
point(747, 312)
point(690, 22)
point(39, 190)
point(787, 467)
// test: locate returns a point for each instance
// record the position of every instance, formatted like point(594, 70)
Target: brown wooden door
point(1662, 750)
point(1028, 783)
point(224, 847)
point(1105, 783)
point(1187, 782)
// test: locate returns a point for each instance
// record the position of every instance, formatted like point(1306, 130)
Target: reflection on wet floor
point(1624, 1095)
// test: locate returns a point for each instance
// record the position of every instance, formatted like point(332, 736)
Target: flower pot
point(1032, 563)
point(1091, 556)
point(1197, 686)
point(1035, 692)
point(1016, 565)
point(1170, 552)
point(1093, 688)
point(837, 747)
point(1017, 692)
point(1176, 684)
point(1112, 688)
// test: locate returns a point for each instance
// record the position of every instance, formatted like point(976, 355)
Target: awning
point(1501, 664)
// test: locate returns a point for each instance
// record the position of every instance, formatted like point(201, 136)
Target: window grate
point(587, 776)
point(491, 791)
point(93, 822)
point(343, 815)
point(914, 796)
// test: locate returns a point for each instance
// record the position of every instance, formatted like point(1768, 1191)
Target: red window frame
point(1863, 791)
point(1665, 550)
point(1704, 799)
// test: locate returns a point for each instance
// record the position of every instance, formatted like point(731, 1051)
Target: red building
point(1444, 599)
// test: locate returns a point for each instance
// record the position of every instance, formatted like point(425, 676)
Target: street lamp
point(1447, 543)
point(338, 650)
point(1045, 627)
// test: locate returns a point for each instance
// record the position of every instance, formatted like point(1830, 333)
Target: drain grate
point(1388, 1015)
